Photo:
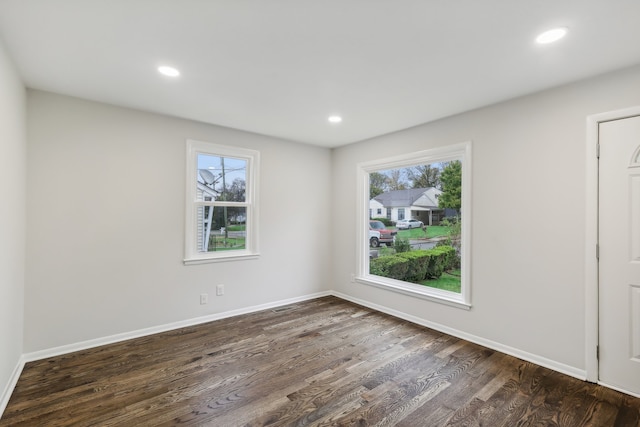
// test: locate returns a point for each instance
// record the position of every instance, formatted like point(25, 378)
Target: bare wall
point(528, 225)
point(13, 146)
point(106, 193)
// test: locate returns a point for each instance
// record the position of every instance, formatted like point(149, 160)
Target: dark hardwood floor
point(321, 362)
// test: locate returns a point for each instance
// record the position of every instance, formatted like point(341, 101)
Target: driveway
point(422, 244)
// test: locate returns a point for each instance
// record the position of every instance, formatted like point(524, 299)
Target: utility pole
point(224, 198)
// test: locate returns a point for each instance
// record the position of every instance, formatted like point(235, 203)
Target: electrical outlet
point(220, 290)
point(204, 299)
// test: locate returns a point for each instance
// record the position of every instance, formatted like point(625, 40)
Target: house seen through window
point(423, 247)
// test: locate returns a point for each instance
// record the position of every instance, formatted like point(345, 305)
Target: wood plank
point(320, 362)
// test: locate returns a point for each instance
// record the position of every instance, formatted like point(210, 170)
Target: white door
point(619, 247)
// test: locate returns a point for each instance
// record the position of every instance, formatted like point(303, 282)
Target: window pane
point(220, 228)
point(423, 206)
point(221, 178)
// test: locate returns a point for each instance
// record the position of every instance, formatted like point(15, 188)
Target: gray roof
point(404, 198)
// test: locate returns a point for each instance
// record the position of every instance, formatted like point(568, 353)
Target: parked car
point(387, 237)
point(374, 238)
point(405, 224)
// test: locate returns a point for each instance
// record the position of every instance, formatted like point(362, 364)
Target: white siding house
point(204, 193)
point(377, 209)
point(417, 203)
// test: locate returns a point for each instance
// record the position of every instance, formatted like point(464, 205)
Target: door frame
point(591, 236)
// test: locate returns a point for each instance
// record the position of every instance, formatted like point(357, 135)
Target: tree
point(424, 176)
point(451, 178)
point(236, 192)
point(396, 180)
point(377, 184)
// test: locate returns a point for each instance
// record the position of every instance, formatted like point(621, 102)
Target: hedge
point(415, 266)
point(393, 267)
point(418, 264)
point(442, 258)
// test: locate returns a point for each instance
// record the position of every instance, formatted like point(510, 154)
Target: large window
point(429, 191)
point(221, 213)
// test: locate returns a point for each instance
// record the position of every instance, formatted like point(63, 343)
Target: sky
point(233, 169)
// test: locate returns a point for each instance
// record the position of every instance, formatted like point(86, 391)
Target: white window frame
point(252, 157)
point(460, 152)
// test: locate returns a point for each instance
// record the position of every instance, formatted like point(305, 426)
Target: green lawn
point(446, 282)
point(219, 243)
point(417, 233)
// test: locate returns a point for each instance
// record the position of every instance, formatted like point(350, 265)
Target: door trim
point(591, 236)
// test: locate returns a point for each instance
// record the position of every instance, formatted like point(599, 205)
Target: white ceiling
point(281, 67)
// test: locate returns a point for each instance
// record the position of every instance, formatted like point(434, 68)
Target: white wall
point(105, 196)
point(106, 192)
point(528, 191)
point(12, 217)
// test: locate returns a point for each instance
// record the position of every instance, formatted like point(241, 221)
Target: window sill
point(431, 294)
point(221, 258)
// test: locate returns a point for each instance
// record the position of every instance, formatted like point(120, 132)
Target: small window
point(221, 211)
point(435, 186)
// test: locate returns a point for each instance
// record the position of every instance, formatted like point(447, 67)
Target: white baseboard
point(84, 345)
point(616, 388)
point(13, 380)
point(529, 357)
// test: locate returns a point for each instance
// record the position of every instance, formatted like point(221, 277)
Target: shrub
point(393, 267)
point(385, 251)
point(418, 262)
point(449, 221)
point(441, 259)
point(453, 237)
point(455, 258)
point(452, 259)
point(415, 266)
point(402, 245)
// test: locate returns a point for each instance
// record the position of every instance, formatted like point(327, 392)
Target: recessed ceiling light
point(551, 35)
point(168, 71)
point(335, 119)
